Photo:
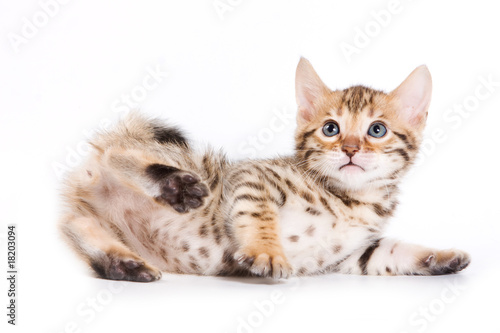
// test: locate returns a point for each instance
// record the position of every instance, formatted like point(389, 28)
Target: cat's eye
point(377, 130)
point(331, 128)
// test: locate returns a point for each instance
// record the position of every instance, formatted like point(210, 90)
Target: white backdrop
point(224, 70)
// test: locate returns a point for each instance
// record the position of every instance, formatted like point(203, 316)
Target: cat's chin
point(352, 177)
point(351, 169)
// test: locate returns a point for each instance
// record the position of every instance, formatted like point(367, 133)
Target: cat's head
point(359, 136)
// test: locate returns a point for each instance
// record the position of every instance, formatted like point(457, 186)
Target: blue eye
point(377, 130)
point(331, 129)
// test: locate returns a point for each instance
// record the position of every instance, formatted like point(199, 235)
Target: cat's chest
point(315, 237)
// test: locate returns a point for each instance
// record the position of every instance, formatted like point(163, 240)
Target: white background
point(228, 75)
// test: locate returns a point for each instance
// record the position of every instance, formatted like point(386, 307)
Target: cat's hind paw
point(265, 265)
point(127, 269)
point(444, 262)
point(183, 191)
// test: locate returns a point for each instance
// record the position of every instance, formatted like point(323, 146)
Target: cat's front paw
point(444, 262)
point(183, 191)
point(264, 264)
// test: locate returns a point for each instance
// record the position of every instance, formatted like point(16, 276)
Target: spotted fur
point(146, 202)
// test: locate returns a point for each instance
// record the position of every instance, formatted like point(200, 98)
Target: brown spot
point(302, 271)
point(217, 234)
point(86, 207)
point(273, 173)
point(228, 230)
point(325, 204)
point(253, 185)
point(393, 247)
point(227, 257)
point(185, 247)
point(312, 211)
point(291, 186)
point(307, 197)
point(336, 248)
point(241, 213)
point(344, 197)
point(194, 266)
point(206, 210)
point(388, 270)
point(203, 232)
point(248, 197)
point(164, 255)
point(264, 216)
point(105, 191)
point(321, 261)
point(203, 251)
point(294, 238)
point(310, 230)
point(380, 211)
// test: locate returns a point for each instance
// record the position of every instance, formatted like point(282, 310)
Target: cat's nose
point(350, 150)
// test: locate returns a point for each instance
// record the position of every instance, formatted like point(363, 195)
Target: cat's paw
point(183, 191)
point(265, 264)
point(444, 262)
point(127, 269)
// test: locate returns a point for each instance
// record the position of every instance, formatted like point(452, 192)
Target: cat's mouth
point(351, 165)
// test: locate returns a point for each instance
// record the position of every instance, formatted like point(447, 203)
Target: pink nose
point(350, 150)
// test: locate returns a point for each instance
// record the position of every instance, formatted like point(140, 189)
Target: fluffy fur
point(145, 202)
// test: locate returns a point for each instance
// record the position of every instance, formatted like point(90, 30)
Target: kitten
point(145, 202)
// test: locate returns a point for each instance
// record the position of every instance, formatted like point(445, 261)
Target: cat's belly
point(178, 243)
point(180, 247)
point(314, 240)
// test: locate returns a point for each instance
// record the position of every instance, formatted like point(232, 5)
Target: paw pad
point(183, 191)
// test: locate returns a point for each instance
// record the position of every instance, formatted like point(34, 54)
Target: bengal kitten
point(145, 202)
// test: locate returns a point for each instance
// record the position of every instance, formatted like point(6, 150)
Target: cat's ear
point(414, 96)
point(308, 90)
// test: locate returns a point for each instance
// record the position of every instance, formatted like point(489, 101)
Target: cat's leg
point(392, 257)
point(254, 218)
point(158, 178)
point(107, 256)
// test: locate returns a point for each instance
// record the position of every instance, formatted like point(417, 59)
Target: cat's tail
point(137, 129)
